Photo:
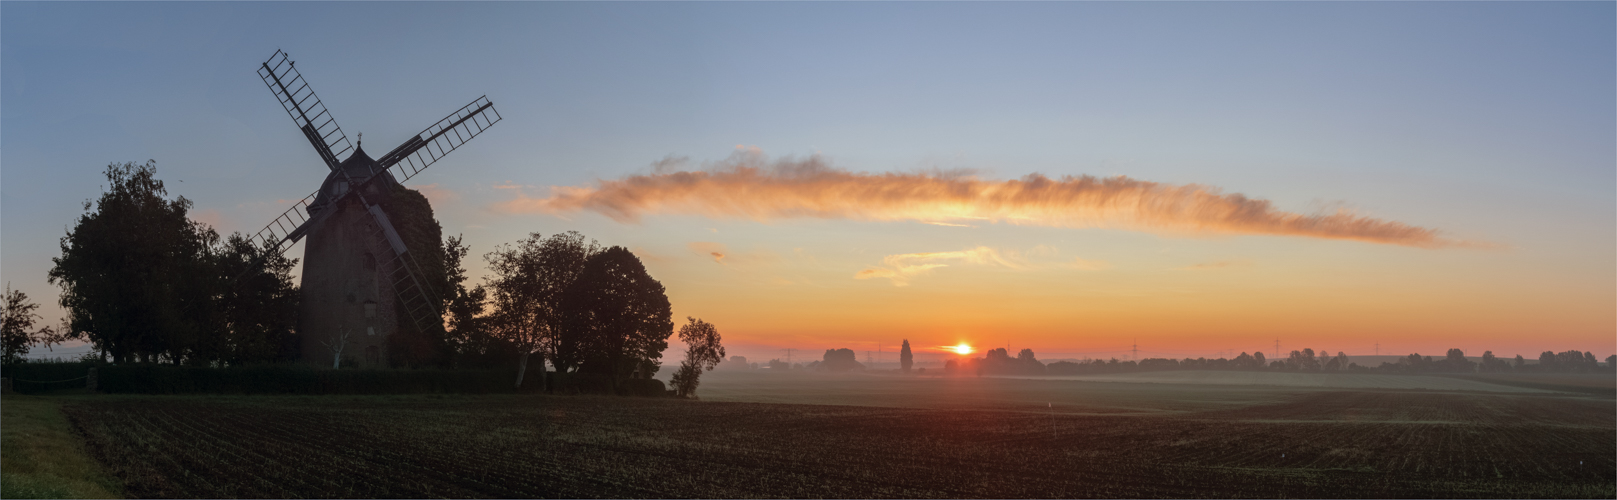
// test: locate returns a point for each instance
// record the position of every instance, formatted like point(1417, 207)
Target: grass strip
point(41, 457)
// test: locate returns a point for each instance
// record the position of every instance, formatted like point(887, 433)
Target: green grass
point(40, 457)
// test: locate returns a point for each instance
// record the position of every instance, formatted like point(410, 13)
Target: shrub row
point(301, 379)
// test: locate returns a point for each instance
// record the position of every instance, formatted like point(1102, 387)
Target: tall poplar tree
point(905, 359)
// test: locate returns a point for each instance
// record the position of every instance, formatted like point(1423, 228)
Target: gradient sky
point(1489, 123)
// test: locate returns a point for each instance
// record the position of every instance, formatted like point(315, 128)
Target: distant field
point(1148, 392)
point(1594, 383)
point(1109, 440)
point(1322, 380)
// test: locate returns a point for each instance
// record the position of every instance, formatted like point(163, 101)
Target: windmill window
point(370, 330)
point(370, 309)
point(340, 188)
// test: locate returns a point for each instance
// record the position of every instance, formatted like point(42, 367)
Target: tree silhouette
point(703, 352)
point(837, 360)
point(619, 313)
point(905, 358)
point(527, 283)
point(17, 326)
point(141, 281)
point(466, 326)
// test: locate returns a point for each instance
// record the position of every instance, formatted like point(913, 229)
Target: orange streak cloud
point(747, 185)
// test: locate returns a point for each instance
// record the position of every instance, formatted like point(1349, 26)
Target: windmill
point(355, 258)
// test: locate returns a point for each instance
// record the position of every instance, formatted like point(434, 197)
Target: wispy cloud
point(723, 255)
point(212, 217)
point(1207, 266)
point(437, 195)
point(749, 185)
point(710, 249)
point(1083, 264)
point(901, 268)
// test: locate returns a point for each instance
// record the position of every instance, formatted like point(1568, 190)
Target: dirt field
point(1130, 441)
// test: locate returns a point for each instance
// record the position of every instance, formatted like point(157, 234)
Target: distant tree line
point(999, 362)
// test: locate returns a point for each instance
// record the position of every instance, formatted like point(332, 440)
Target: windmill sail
point(418, 301)
point(305, 108)
point(427, 147)
point(287, 229)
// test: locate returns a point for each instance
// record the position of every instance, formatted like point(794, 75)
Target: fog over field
point(1142, 393)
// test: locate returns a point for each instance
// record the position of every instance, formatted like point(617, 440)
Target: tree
point(134, 271)
point(838, 360)
point(905, 358)
point(467, 334)
point(337, 341)
point(257, 303)
point(17, 327)
point(1258, 361)
point(620, 316)
point(526, 287)
point(702, 352)
point(411, 344)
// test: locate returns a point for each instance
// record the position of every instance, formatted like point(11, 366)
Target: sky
point(1196, 179)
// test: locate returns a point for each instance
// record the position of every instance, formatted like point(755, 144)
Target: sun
point(962, 349)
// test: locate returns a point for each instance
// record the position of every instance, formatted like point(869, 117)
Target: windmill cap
point(360, 164)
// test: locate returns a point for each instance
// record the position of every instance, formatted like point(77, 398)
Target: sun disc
point(962, 349)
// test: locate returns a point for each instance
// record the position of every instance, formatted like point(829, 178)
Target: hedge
point(302, 379)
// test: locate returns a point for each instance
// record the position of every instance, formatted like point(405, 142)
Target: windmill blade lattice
point(427, 147)
point(305, 108)
point(402, 270)
point(284, 230)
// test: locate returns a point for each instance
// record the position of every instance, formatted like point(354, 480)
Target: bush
point(297, 379)
point(582, 383)
point(642, 387)
point(36, 377)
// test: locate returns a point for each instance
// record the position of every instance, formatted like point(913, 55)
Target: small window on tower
point(340, 188)
point(370, 330)
point(370, 262)
point(370, 309)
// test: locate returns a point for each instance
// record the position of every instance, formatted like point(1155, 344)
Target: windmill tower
point(360, 279)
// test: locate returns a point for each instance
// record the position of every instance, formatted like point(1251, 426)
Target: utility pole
point(789, 357)
point(1277, 347)
point(1378, 348)
point(1136, 349)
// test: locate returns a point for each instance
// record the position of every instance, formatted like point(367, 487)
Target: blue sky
point(1488, 121)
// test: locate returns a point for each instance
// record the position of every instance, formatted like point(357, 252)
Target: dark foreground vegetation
point(1308, 444)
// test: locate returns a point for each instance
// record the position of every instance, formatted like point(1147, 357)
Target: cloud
point(212, 217)
point(708, 248)
point(1082, 264)
point(1206, 266)
point(437, 195)
point(950, 224)
point(748, 185)
point(900, 268)
point(722, 255)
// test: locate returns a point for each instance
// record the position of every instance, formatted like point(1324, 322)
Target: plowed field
point(1313, 444)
